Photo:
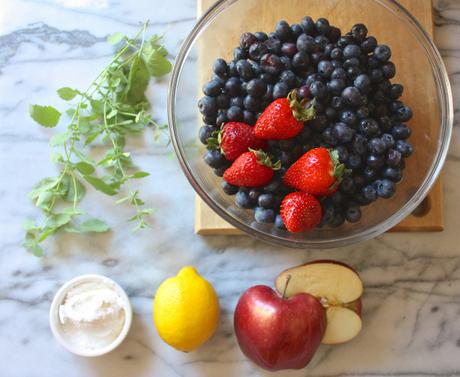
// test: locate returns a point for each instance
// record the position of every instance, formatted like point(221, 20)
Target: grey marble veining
point(412, 299)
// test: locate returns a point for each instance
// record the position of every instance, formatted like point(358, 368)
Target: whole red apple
point(278, 333)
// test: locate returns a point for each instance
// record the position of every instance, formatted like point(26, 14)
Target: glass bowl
point(420, 69)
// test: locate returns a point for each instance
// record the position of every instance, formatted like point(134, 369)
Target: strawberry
point(317, 172)
point(234, 139)
point(284, 117)
point(300, 211)
point(251, 169)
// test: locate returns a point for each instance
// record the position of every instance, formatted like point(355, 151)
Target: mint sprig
point(112, 108)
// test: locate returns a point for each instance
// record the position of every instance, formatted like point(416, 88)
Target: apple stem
point(324, 302)
point(288, 278)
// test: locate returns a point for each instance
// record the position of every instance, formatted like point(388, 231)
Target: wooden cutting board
point(429, 215)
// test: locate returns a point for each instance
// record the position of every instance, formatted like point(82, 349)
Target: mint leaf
point(80, 192)
point(138, 80)
point(46, 116)
point(67, 93)
point(94, 225)
point(43, 185)
point(59, 139)
point(140, 174)
point(100, 185)
point(158, 65)
point(115, 38)
point(84, 168)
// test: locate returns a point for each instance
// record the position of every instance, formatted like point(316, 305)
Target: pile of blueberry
point(357, 111)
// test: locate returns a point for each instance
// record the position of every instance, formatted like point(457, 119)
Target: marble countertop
point(412, 300)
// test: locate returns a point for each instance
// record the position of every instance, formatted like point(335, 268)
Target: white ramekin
point(59, 298)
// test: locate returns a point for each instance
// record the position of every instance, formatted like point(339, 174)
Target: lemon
point(186, 310)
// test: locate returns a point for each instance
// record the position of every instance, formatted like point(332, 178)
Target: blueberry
point(296, 30)
point(337, 198)
point(254, 194)
point(235, 114)
point(347, 186)
point(325, 68)
point(316, 57)
point(209, 119)
point(267, 78)
point(384, 86)
point(338, 220)
point(289, 78)
point(257, 50)
point(239, 54)
point(208, 106)
point(382, 53)
point(388, 140)
point(404, 148)
point(376, 75)
point(242, 200)
point(342, 132)
point(256, 88)
point(359, 180)
point(353, 214)
point(280, 90)
point(289, 49)
point(321, 41)
point(244, 69)
point(308, 25)
point(375, 161)
point(348, 117)
point(354, 161)
point(220, 67)
point(369, 193)
point(273, 186)
point(236, 101)
point(266, 200)
point(246, 40)
point(359, 144)
point(353, 73)
point(385, 188)
point(369, 127)
point(322, 26)
point(319, 123)
point(221, 117)
point(343, 153)
point(300, 60)
point(363, 83)
point(232, 72)
point(220, 171)
point(335, 86)
point(336, 53)
point(214, 159)
point(369, 44)
point(328, 49)
point(306, 43)
point(401, 131)
point(394, 158)
point(384, 123)
point(261, 36)
point(251, 103)
point(334, 34)
point(328, 137)
point(394, 174)
point(223, 101)
point(255, 67)
point(351, 62)
point(287, 144)
point(351, 51)
point(362, 112)
point(283, 31)
point(274, 45)
point(249, 117)
point(233, 87)
point(359, 32)
point(330, 113)
point(339, 73)
point(304, 135)
point(395, 105)
point(388, 70)
point(303, 92)
point(396, 91)
point(205, 133)
point(376, 145)
point(271, 63)
point(318, 89)
point(228, 188)
point(279, 224)
point(268, 96)
point(370, 174)
point(337, 103)
point(351, 96)
point(404, 113)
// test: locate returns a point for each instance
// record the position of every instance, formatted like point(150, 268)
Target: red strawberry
point(251, 169)
point(234, 139)
point(317, 172)
point(284, 117)
point(300, 211)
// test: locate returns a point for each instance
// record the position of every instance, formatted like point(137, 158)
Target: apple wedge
point(338, 288)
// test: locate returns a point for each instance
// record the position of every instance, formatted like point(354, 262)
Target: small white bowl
point(59, 298)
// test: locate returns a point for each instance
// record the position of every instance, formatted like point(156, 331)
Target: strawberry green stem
point(303, 110)
point(264, 159)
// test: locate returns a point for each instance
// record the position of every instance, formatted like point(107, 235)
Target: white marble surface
point(412, 300)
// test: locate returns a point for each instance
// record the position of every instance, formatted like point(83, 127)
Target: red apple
point(276, 332)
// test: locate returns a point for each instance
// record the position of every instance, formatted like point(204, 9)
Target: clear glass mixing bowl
point(217, 33)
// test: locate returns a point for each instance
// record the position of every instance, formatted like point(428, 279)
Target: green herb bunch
point(113, 107)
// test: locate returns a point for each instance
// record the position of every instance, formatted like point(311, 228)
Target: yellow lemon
point(186, 310)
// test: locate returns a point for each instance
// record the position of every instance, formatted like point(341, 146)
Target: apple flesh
point(339, 289)
point(276, 332)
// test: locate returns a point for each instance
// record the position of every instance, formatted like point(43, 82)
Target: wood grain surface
point(411, 67)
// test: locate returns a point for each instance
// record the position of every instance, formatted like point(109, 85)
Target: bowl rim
point(441, 79)
point(59, 298)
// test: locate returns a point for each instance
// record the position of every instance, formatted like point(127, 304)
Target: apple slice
point(338, 288)
point(342, 325)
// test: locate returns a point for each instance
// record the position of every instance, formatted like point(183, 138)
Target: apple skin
point(278, 333)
